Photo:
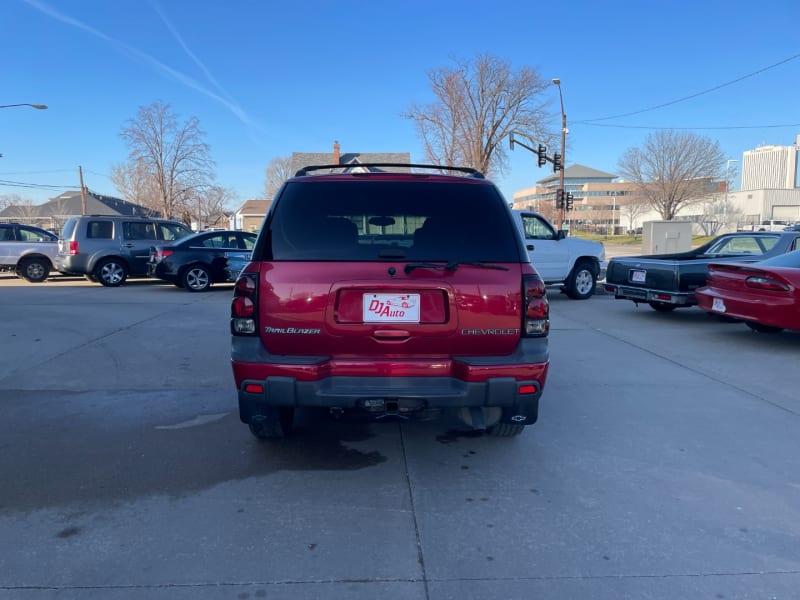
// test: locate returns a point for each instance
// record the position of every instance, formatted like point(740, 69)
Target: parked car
point(393, 293)
point(669, 281)
point(765, 295)
point(765, 225)
point(200, 260)
point(573, 264)
point(27, 251)
point(109, 249)
point(236, 261)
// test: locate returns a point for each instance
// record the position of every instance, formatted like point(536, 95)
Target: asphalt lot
point(665, 465)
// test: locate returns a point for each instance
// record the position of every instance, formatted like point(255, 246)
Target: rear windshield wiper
point(451, 266)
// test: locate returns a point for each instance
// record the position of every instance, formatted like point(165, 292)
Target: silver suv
point(108, 249)
point(27, 251)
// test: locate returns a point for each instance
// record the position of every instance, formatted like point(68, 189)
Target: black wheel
point(505, 429)
point(196, 278)
point(34, 270)
point(662, 306)
point(111, 272)
point(760, 328)
point(276, 423)
point(581, 281)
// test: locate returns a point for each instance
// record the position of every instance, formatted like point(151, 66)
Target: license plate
point(391, 308)
point(638, 276)
point(718, 305)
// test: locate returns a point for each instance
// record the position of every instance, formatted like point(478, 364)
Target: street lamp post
point(557, 83)
point(36, 106)
point(614, 215)
point(727, 185)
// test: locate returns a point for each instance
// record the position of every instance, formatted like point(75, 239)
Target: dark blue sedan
point(197, 261)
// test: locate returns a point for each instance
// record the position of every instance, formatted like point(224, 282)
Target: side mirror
point(561, 234)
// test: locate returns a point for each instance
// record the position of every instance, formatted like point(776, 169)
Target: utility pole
point(83, 191)
point(557, 83)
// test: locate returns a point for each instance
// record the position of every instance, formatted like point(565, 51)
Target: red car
point(765, 295)
point(392, 293)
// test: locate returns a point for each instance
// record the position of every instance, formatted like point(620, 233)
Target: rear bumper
point(406, 393)
point(158, 271)
point(514, 383)
point(69, 264)
point(602, 269)
point(625, 292)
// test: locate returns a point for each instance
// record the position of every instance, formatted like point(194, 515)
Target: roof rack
point(468, 170)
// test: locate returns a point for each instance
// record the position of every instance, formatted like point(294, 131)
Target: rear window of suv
point(385, 220)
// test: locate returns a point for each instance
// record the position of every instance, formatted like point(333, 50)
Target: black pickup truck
point(668, 281)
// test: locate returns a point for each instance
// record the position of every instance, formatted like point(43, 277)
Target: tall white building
point(771, 168)
point(770, 186)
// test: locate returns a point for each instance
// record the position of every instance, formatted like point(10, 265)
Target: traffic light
point(556, 162)
point(569, 201)
point(542, 154)
point(559, 199)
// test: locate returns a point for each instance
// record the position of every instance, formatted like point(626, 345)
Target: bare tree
point(479, 103)
point(137, 184)
point(175, 155)
point(7, 200)
point(632, 210)
point(716, 213)
point(673, 169)
point(279, 170)
point(209, 209)
point(21, 209)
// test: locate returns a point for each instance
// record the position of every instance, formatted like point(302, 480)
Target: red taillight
point(766, 283)
point(243, 305)
point(536, 319)
point(163, 253)
point(73, 247)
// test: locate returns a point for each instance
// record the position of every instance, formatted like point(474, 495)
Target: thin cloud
point(178, 38)
point(153, 62)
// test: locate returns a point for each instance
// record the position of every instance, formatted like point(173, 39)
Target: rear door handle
point(391, 334)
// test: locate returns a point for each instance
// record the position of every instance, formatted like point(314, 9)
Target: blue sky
point(266, 79)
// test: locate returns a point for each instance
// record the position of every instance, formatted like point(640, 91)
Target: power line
point(721, 127)
point(96, 173)
point(36, 172)
point(709, 90)
point(42, 186)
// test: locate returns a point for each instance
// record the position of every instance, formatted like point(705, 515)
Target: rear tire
point(35, 270)
point(760, 328)
point(662, 306)
point(581, 281)
point(196, 278)
point(278, 422)
point(111, 272)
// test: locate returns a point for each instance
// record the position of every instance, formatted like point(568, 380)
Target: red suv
point(391, 291)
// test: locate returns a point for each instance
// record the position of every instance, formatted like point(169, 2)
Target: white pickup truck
point(27, 251)
point(574, 264)
point(766, 225)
